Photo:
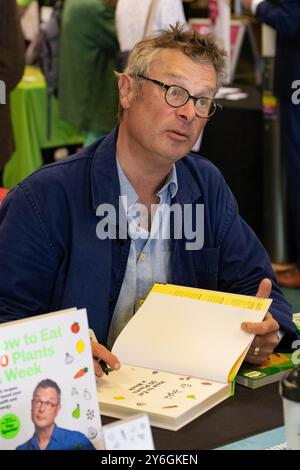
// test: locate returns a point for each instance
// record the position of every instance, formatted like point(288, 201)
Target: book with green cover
point(272, 370)
point(296, 320)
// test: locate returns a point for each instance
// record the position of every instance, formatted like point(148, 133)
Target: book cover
point(180, 353)
point(270, 371)
point(47, 384)
point(296, 320)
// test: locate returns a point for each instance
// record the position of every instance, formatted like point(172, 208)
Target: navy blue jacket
point(284, 16)
point(52, 259)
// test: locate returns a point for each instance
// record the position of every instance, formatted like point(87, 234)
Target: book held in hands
point(180, 353)
point(46, 371)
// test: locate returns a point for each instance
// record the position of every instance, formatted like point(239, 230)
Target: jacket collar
point(104, 174)
point(105, 181)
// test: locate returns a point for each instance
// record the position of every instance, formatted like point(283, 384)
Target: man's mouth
point(178, 135)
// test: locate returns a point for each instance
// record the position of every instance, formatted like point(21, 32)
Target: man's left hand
point(266, 332)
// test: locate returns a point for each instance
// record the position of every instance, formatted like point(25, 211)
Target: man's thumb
point(265, 288)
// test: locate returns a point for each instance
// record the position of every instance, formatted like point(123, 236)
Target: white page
point(170, 400)
point(186, 336)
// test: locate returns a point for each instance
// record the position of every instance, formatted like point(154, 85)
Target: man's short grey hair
point(48, 383)
point(202, 48)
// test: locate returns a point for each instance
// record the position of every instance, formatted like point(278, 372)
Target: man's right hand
point(101, 352)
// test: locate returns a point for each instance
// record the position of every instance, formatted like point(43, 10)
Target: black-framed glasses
point(177, 96)
point(37, 403)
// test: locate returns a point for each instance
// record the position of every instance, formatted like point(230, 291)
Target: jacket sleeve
point(29, 261)
point(244, 263)
point(282, 15)
point(12, 49)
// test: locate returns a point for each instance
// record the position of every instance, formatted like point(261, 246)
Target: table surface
point(249, 412)
point(252, 102)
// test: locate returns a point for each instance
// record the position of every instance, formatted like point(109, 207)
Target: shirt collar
point(126, 187)
point(104, 175)
point(34, 442)
point(55, 434)
point(171, 182)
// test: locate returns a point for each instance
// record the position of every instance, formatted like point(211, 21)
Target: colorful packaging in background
point(296, 320)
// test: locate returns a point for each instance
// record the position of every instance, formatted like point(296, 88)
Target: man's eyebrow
point(206, 89)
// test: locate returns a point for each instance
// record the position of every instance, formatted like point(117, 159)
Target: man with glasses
point(45, 406)
point(174, 219)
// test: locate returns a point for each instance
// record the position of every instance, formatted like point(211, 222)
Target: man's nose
point(42, 405)
point(187, 111)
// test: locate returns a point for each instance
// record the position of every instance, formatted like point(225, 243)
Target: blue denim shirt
point(51, 257)
point(150, 252)
point(61, 439)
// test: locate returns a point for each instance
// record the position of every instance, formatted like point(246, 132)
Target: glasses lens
point(205, 107)
point(176, 96)
point(47, 404)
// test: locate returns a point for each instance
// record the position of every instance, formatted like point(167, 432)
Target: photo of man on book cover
point(45, 406)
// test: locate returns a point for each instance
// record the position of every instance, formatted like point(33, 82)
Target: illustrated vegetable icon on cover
point(75, 328)
point(68, 358)
point(80, 346)
point(76, 412)
point(81, 373)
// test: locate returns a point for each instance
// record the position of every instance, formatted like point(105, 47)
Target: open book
point(180, 353)
point(37, 355)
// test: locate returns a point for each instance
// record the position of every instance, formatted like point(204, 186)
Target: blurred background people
point(284, 17)
point(87, 90)
point(12, 63)
point(131, 18)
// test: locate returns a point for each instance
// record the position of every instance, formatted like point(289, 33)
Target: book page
point(184, 335)
point(170, 400)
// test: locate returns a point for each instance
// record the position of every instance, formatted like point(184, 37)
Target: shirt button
point(142, 301)
point(142, 257)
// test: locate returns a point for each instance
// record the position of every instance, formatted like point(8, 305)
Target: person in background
point(131, 17)
point(284, 17)
point(87, 91)
point(23, 5)
point(12, 62)
point(96, 230)
point(45, 406)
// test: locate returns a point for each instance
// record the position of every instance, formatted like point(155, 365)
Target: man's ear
point(126, 86)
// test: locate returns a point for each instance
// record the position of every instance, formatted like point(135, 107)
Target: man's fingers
point(264, 344)
point(264, 288)
point(268, 325)
point(97, 368)
point(253, 359)
point(101, 352)
point(261, 348)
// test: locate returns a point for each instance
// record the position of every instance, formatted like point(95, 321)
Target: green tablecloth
point(29, 116)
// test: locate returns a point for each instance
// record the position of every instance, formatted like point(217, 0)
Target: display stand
point(239, 30)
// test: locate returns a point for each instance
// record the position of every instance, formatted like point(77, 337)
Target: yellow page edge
point(224, 298)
